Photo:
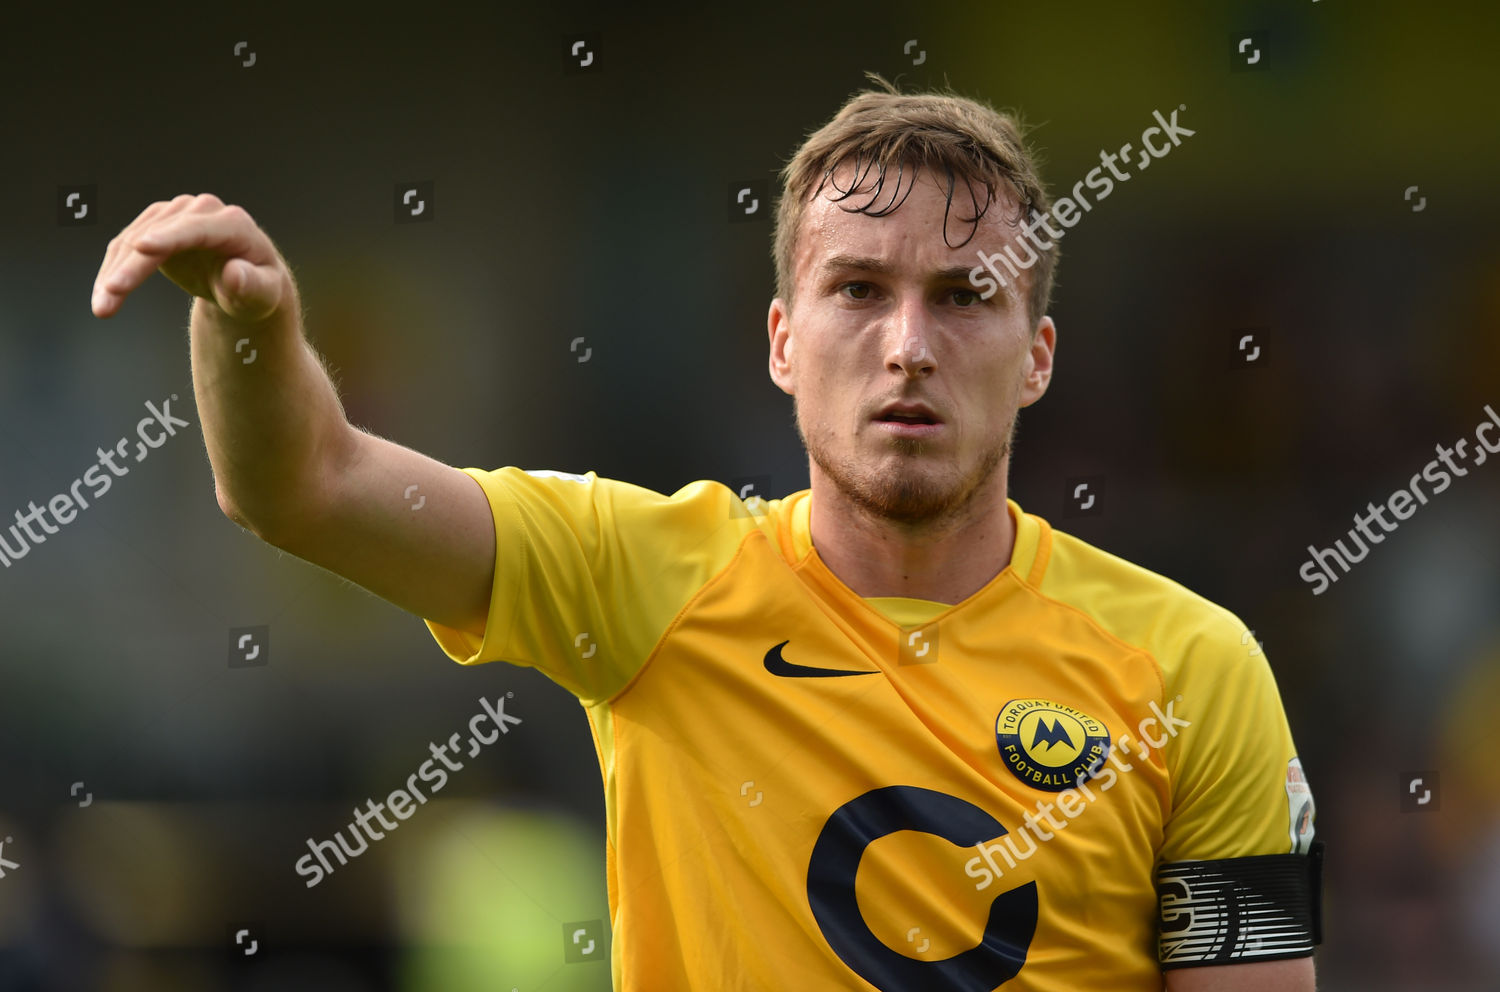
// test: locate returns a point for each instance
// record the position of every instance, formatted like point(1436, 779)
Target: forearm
point(1289, 975)
point(272, 420)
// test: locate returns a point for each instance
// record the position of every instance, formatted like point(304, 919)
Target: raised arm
point(287, 463)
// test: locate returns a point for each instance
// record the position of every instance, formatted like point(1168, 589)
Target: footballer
point(890, 732)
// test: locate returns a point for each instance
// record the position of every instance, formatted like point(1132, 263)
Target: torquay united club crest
point(1047, 745)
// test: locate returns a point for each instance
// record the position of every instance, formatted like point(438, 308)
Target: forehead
point(910, 237)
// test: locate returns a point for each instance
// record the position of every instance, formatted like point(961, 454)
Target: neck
point(945, 560)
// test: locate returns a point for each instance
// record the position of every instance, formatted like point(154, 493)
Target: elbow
point(235, 512)
point(227, 506)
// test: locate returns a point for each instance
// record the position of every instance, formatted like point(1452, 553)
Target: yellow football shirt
point(808, 789)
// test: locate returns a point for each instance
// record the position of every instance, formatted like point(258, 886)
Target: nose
point(908, 346)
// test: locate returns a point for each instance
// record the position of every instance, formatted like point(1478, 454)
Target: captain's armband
point(1233, 910)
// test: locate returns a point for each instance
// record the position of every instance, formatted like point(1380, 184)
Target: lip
point(899, 429)
point(917, 409)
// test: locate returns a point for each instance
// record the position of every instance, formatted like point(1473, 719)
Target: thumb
point(246, 291)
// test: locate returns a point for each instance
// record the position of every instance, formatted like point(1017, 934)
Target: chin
point(905, 493)
point(913, 490)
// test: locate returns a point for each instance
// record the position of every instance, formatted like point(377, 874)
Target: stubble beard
point(915, 497)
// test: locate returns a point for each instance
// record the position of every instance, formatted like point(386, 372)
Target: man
point(889, 732)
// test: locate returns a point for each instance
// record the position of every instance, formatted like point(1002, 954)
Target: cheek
point(825, 373)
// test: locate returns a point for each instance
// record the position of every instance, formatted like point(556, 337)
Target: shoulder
point(573, 488)
point(1140, 607)
point(602, 512)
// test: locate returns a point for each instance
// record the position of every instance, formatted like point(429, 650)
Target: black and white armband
point(1233, 910)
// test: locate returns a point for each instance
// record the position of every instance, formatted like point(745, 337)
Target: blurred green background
point(593, 204)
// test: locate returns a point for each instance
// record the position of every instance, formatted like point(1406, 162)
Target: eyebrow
point(861, 263)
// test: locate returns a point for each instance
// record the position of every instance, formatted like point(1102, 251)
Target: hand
point(211, 249)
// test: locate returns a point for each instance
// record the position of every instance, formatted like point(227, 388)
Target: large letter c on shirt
point(999, 955)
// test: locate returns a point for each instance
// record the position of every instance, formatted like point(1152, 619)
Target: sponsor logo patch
point(1300, 807)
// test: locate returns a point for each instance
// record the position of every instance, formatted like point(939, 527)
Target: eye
point(967, 294)
point(857, 290)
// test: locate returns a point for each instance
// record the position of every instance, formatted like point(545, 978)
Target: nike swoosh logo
point(777, 665)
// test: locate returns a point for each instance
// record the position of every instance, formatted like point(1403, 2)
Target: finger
point(223, 231)
point(102, 302)
point(216, 239)
point(128, 270)
point(228, 231)
point(251, 290)
point(105, 302)
point(121, 241)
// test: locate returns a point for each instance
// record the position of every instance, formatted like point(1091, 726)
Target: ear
point(1038, 369)
point(779, 329)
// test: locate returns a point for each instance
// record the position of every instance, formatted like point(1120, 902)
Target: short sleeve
point(1238, 789)
point(590, 572)
point(1238, 876)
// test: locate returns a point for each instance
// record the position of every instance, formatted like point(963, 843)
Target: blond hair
point(961, 138)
